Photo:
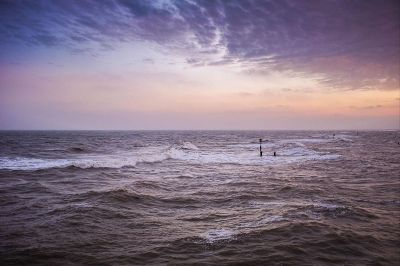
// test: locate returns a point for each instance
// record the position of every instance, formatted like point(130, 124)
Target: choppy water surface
point(170, 197)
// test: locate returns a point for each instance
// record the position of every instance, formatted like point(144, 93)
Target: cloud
point(47, 40)
point(352, 44)
point(369, 107)
point(148, 60)
point(245, 94)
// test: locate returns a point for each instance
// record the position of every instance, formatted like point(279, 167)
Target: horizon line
point(343, 129)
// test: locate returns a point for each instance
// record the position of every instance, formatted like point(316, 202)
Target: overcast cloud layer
point(354, 44)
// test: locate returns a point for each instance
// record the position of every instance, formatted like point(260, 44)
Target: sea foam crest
point(215, 235)
point(22, 163)
point(189, 146)
point(290, 152)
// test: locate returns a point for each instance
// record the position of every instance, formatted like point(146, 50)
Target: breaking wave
point(21, 163)
point(290, 152)
point(215, 235)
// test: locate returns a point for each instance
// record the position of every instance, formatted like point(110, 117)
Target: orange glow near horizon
point(275, 96)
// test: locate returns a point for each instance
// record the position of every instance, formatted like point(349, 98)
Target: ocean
point(199, 198)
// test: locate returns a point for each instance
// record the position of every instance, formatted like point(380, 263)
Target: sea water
point(171, 197)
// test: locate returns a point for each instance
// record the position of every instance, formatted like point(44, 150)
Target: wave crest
point(32, 164)
point(290, 152)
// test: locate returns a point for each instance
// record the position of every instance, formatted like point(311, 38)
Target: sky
point(207, 64)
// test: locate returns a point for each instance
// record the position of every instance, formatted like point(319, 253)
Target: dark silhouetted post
point(260, 148)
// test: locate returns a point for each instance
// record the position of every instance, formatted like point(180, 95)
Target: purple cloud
point(352, 43)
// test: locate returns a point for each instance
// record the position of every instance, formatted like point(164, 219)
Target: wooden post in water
point(260, 148)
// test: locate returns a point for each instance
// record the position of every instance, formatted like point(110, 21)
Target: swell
point(78, 150)
point(126, 195)
point(288, 243)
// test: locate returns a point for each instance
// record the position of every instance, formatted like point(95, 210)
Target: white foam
point(327, 206)
point(285, 155)
point(343, 137)
point(306, 140)
point(21, 163)
point(297, 151)
point(189, 146)
point(110, 161)
point(291, 152)
point(320, 135)
point(253, 145)
point(215, 235)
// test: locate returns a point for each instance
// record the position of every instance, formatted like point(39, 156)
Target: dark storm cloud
point(351, 43)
